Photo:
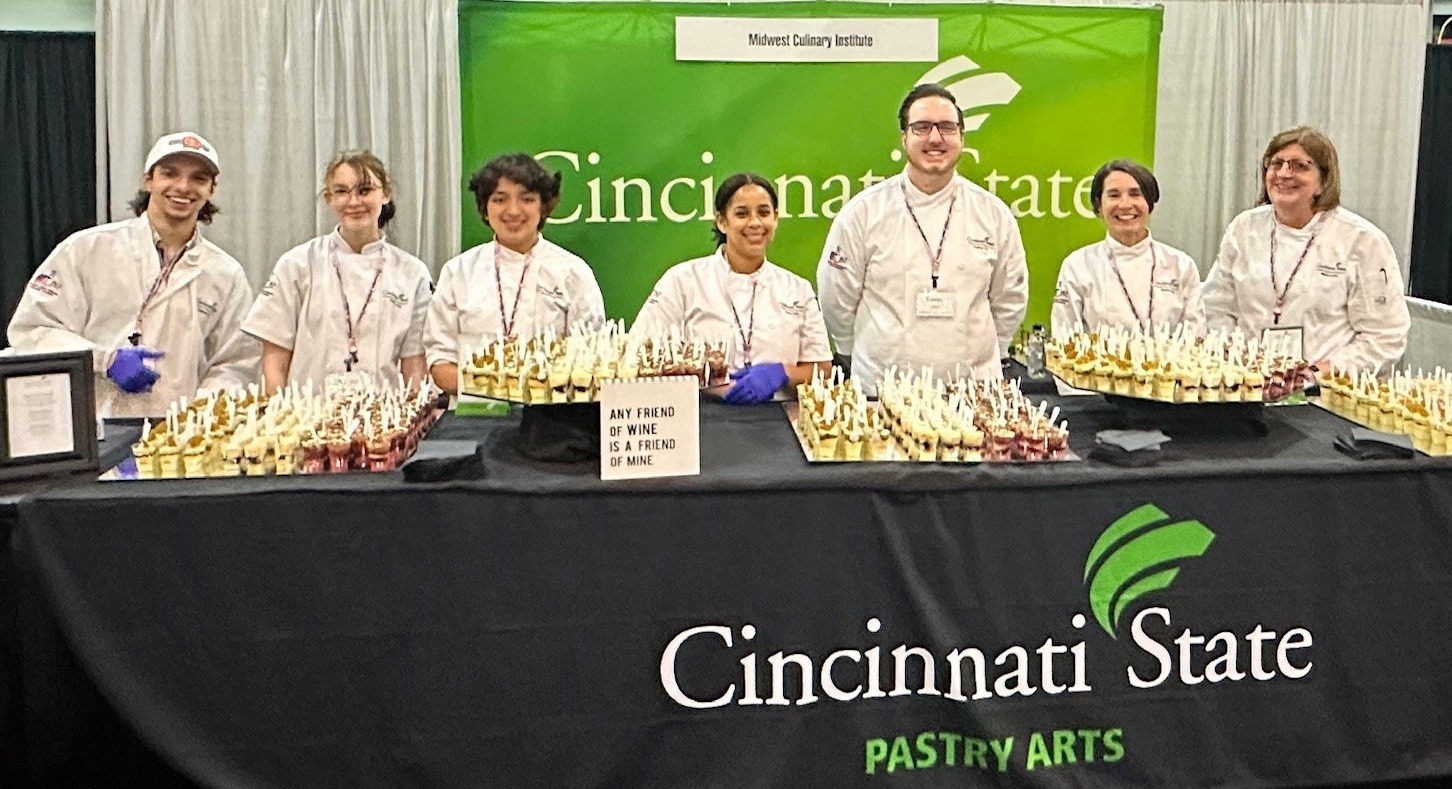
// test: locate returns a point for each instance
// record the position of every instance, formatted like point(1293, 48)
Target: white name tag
point(1289, 341)
point(934, 303)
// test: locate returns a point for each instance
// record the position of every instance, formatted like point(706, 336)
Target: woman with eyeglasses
point(1129, 279)
point(1300, 259)
point(518, 285)
point(769, 315)
point(349, 302)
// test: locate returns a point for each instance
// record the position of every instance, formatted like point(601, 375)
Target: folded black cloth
point(1365, 444)
point(1132, 448)
point(440, 460)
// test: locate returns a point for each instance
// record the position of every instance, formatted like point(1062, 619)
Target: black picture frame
point(84, 454)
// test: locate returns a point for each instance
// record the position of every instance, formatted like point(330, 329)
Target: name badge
point(934, 303)
point(1287, 341)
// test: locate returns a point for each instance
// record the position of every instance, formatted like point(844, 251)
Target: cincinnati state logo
point(1139, 553)
point(973, 90)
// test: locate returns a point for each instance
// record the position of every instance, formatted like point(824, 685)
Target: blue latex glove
point(756, 384)
point(131, 372)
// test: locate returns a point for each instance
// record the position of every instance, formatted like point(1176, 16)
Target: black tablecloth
point(514, 630)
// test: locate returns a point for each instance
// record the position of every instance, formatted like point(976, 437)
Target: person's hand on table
point(130, 371)
point(756, 384)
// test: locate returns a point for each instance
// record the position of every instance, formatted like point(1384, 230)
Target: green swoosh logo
point(1119, 567)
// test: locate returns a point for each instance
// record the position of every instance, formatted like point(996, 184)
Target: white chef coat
point(301, 308)
point(776, 309)
point(559, 292)
point(86, 296)
point(1348, 295)
point(875, 264)
point(1089, 294)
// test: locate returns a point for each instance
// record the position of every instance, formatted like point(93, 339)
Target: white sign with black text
point(807, 40)
point(650, 427)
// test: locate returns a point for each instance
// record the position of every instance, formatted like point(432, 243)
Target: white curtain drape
point(1233, 73)
point(279, 86)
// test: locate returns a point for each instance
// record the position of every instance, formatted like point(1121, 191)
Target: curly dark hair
point(522, 169)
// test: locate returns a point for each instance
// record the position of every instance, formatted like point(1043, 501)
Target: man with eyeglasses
point(157, 304)
point(926, 268)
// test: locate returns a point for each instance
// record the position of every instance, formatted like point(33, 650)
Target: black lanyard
point(937, 256)
point(347, 311)
point(157, 284)
point(1281, 294)
point(1147, 322)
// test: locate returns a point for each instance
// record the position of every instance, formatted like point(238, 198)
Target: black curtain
point(1432, 217)
point(47, 150)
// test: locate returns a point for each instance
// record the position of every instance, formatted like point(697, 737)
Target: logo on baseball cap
point(182, 143)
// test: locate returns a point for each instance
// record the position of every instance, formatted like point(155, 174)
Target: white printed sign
point(842, 40)
point(38, 415)
point(650, 427)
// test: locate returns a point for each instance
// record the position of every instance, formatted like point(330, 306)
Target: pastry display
point(1417, 405)
point(1173, 367)
point(920, 418)
point(549, 369)
point(352, 426)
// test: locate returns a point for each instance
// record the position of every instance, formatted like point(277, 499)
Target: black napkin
point(1365, 444)
point(439, 460)
point(1131, 448)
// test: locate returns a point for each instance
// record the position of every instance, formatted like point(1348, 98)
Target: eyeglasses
point(924, 128)
point(342, 192)
point(1297, 166)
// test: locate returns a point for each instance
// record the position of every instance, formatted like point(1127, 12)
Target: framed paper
point(48, 402)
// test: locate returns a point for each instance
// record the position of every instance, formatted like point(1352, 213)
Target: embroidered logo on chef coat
point(1061, 296)
point(271, 286)
point(654, 297)
point(206, 307)
point(1168, 285)
point(836, 259)
point(794, 307)
point(399, 300)
point(549, 292)
point(46, 283)
point(985, 244)
point(1336, 269)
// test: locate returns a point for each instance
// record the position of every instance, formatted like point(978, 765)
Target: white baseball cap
point(182, 142)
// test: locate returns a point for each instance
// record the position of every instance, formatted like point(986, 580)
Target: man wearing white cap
point(157, 305)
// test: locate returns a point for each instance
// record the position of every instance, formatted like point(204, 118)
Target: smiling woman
point(768, 316)
point(1129, 279)
point(1301, 259)
point(358, 300)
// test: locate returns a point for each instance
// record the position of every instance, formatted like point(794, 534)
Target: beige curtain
point(278, 86)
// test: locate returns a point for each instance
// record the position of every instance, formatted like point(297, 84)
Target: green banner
point(595, 91)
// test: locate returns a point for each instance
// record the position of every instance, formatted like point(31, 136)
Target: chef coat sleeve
point(1375, 308)
point(1008, 287)
point(813, 346)
point(274, 315)
point(587, 305)
point(1192, 296)
point(1068, 312)
point(1221, 312)
point(664, 309)
point(53, 307)
point(441, 326)
point(413, 340)
point(840, 275)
